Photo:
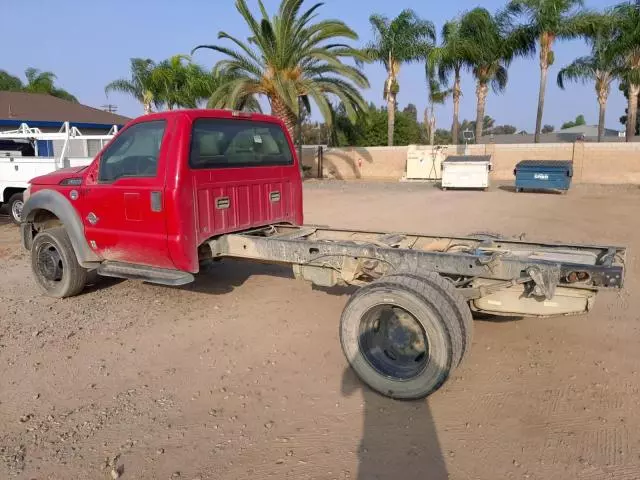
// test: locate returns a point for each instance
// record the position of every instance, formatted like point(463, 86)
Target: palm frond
point(122, 86)
point(580, 70)
point(288, 56)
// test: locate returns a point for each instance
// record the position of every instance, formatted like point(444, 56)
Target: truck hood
point(54, 178)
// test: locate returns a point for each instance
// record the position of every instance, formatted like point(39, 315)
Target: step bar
point(129, 271)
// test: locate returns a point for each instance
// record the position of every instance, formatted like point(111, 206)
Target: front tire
point(15, 205)
point(402, 336)
point(55, 266)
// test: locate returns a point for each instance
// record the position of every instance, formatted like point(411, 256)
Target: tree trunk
point(482, 90)
point(545, 48)
point(147, 100)
point(284, 113)
point(601, 118)
point(391, 116)
point(632, 111)
point(432, 128)
point(602, 102)
point(455, 127)
point(543, 87)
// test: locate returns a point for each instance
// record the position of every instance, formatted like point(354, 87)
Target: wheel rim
point(16, 209)
point(393, 342)
point(49, 265)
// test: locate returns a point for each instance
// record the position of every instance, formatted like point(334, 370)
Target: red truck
point(175, 189)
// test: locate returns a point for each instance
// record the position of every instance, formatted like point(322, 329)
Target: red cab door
point(123, 196)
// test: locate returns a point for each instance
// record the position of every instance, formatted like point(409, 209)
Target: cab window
point(134, 153)
point(228, 143)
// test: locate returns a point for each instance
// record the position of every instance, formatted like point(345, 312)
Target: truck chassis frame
point(330, 257)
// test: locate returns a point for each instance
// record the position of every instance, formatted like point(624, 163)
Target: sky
point(87, 47)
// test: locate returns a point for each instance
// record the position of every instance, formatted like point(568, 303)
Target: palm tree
point(489, 61)
point(602, 67)
point(141, 85)
point(544, 22)
point(44, 82)
point(213, 91)
point(626, 43)
point(450, 58)
point(176, 80)
point(405, 39)
point(290, 59)
point(489, 49)
point(438, 94)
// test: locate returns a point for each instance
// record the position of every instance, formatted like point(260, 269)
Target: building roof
point(555, 137)
point(589, 131)
point(41, 110)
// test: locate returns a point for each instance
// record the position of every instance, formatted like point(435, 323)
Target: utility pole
point(110, 107)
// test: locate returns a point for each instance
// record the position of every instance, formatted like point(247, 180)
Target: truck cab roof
point(195, 113)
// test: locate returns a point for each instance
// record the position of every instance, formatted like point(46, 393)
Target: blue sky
point(89, 46)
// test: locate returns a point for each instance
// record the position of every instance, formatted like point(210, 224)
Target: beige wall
point(592, 162)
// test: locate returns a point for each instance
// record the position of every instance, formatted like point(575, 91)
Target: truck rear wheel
point(459, 307)
point(401, 336)
point(15, 205)
point(54, 264)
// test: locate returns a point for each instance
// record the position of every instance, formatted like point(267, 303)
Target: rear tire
point(401, 335)
point(15, 205)
point(55, 266)
point(457, 303)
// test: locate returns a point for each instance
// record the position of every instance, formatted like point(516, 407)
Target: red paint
point(128, 230)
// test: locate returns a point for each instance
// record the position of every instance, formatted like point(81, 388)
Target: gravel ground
point(240, 375)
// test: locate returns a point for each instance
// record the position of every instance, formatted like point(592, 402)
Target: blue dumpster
point(543, 175)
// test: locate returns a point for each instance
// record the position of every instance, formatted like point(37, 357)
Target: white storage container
point(466, 171)
point(424, 162)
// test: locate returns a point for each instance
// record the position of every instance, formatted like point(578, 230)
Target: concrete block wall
point(613, 163)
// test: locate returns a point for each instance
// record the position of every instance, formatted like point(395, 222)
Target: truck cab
point(163, 186)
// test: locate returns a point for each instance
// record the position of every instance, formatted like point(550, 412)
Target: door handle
point(156, 201)
point(274, 196)
point(222, 203)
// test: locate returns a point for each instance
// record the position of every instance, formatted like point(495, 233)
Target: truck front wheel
point(54, 264)
point(401, 336)
point(15, 205)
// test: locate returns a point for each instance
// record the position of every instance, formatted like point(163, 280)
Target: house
point(585, 133)
point(590, 133)
point(49, 113)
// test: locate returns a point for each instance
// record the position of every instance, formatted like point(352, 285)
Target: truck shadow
point(223, 277)
point(399, 438)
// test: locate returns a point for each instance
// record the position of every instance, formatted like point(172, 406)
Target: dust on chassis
point(174, 189)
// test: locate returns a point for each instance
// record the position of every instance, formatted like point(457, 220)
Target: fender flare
point(57, 204)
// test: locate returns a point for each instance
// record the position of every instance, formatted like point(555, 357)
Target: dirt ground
point(241, 375)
